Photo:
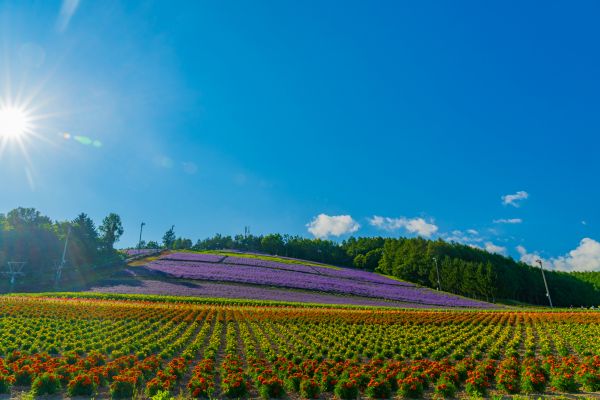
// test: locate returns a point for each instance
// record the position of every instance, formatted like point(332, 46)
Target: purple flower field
point(255, 262)
point(237, 291)
point(350, 282)
point(335, 272)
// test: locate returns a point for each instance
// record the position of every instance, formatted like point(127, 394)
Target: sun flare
point(14, 122)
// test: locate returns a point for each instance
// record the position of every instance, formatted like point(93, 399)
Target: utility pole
point(63, 261)
point(140, 241)
point(437, 270)
point(545, 283)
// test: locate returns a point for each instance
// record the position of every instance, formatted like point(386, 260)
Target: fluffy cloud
point(493, 248)
point(585, 257)
point(412, 225)
point(526, 257)
point(325, 225)
point(515, 199)
point(508, 221)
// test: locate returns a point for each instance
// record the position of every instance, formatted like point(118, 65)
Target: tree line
point(475, 273)
point(462, 269)
point(28, 236)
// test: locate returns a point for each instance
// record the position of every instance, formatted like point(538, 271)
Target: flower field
point(126, 347)
point(294, 275)
point(204, 289)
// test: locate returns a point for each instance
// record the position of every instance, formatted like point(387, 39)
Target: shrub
point(410, 387)
point(588, 374)
point(462, 368)
point(292, 382)
point(309, 389)
point(328, 382)
point(507, 376)
point(234, 385)
point(562, 374)
point(6, 381)
point(378, 389)
point(200, 387)
point(161, 382)
point(46, 383)
point(24, 375)
point(477, 383)
point(270, 387)
point(445, 387)
point(82, 385)
point(177, 367)
point(122, 387)
point(346, 389)
point(533, 378)
point(362, 379)
point(563, 381)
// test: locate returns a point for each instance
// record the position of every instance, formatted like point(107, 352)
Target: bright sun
point(14, 122)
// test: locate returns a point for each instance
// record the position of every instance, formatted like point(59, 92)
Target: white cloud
point(585, 257)
point(470, 237)
point(508, 221)
point(67, 10)
point(515, 199)
point(493, 248)
point(529, 258)
point(412, 225)
point(332, 225)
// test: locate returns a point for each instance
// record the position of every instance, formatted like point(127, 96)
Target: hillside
point(464, 270)
point(251, 276)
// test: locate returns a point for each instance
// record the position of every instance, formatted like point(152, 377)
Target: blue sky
point(318, 117)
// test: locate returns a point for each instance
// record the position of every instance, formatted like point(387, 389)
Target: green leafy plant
point(46, 383)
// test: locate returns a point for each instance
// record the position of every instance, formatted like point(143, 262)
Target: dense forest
point(30, 237)
point(592, 277)
point(463, 270)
